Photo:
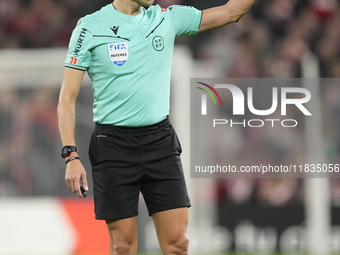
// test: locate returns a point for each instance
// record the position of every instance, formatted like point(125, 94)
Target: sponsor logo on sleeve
point(73, 61)
point(119, 53)
point(80, 41)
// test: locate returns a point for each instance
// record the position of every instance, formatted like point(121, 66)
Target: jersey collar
point(136, 18)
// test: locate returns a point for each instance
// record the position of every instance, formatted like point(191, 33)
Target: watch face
point(65, 151)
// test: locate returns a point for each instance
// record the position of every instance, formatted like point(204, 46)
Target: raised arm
point(66, 119)
point(225, 14)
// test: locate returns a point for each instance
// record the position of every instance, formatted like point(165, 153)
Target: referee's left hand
point(75, 172)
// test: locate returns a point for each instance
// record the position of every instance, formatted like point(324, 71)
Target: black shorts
point(129, 160)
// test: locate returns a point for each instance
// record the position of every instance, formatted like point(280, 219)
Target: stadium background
point(38, 215)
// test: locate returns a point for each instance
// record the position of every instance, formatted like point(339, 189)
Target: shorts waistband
point(138, 129)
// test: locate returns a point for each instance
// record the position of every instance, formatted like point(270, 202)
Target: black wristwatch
point(66, 151)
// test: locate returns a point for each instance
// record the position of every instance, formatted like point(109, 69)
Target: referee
point(127, 52)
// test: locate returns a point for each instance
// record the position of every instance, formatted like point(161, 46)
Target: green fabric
point(129, 59)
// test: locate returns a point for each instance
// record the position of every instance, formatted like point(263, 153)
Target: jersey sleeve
point(184, 19)
point(79, 49)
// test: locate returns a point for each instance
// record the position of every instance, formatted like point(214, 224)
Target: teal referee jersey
point(128, 59)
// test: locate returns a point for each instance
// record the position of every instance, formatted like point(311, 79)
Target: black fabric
point(127, 160)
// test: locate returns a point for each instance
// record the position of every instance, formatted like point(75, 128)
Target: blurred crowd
point(272, 39)
point(269, 41)
point(28, 139)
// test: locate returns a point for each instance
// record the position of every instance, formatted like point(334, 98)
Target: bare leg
point(123, 236)
point(171, 228)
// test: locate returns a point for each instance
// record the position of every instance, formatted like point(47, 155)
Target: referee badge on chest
point(119, 53)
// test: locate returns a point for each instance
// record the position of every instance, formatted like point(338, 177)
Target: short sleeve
point(79, 49)
point(184, 19)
